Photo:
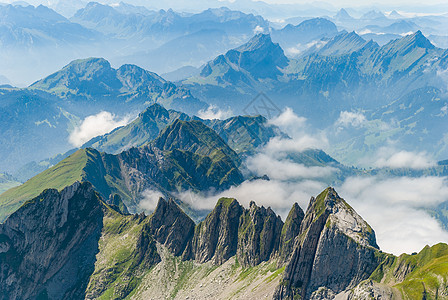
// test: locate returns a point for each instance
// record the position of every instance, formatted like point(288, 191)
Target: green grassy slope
point(422, 275)
point(63, 174)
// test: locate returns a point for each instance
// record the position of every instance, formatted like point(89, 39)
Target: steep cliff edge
point(43, 243)
point(335, 249)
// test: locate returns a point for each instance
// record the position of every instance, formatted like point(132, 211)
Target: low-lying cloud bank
point(96, 125)
point(396, 208)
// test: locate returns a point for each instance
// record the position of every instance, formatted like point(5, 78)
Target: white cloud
point(354, 119)
point(365, 31)
point(299, 48)
point(95, 125)
point(212, 112)
point(293, 51)
point(258, 29)
point(278, 195)
point(284, 169)
point(296, 127)
point(394, 207)
point(407, 33)
point(404, 159)
point(150, 200)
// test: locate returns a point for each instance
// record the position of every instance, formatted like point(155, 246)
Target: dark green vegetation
point(421, 275)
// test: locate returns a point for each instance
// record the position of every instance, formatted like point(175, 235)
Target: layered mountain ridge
point(42, 117)
point(179, 159)
point(348, 74)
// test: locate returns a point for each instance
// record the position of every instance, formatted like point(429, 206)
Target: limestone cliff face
point(171, 227)
point(258, 236)
point(48, 246)
point(290, 230)
point(335, 249)
point(253, 234)
point(216, 238)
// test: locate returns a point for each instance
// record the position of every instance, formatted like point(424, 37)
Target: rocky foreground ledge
point(73, 245)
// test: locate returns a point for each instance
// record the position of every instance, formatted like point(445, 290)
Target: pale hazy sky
point(336, 3)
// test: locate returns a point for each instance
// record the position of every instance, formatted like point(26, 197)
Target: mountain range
point(116, 183)
point(38, 120)
point(228, 254)
point(345, 71)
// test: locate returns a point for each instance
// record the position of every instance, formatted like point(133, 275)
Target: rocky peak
point(344, 43)
point(318, 258)
point(260, 57)
point(343, 15)
point(195, 137)
point(171, 227)
point(216, 237)
point(133, 77)
point(95, 11)
point(154, 112)
point(405, 45)
point(321, 25)
point(290, 230)
point(258, 235)
point(419, 40)
point(45, 239)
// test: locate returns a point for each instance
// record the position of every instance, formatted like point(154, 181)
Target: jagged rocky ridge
point(242, 133)
point(333, 250)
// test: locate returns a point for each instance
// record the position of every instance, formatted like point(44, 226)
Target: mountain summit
point(259, 58)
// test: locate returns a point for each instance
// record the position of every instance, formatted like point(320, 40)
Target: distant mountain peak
point(91, 62)
point(420, 40)
point(343, 43)
point(343, 15)
point(373, 14)
point(395, 14)
point(258, 41)
point(415, 40)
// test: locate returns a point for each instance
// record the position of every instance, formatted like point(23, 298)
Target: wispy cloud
point(213, 112)
point(302, 136)
point(258, 29)
point(278, 195)
point(354, 119)
point(95, 125)
point(150, 200)
point(391, 158)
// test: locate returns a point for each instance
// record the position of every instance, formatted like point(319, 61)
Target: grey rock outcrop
point(171, 227)
point(290, 230)
point(43, 243)
point(258, 236)
point(369, 289)
point(335, 249)
point(216, 237)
